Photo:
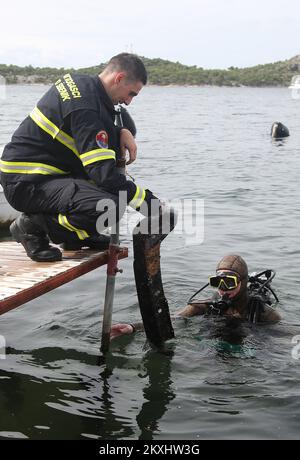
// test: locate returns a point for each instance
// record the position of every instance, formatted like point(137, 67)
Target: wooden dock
point(22, 279)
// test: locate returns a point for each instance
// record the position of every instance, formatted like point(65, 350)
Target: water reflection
point(111, 425)
point(158, 393)
point(155, 371)
point(281, 141)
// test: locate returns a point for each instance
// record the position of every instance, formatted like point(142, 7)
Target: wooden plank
point(22, 279)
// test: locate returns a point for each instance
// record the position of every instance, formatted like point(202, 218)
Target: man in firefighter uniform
point(61, 161)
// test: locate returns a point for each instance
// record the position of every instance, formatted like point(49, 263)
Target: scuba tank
point(260, 293)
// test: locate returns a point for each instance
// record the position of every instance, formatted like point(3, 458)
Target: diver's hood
point(236, 264)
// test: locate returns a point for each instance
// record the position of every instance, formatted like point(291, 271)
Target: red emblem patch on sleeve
point(102, 139)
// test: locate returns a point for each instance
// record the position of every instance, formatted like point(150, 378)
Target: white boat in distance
point(7, 213)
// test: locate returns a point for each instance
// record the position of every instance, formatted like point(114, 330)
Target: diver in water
point(238, 295)
point(279, 131)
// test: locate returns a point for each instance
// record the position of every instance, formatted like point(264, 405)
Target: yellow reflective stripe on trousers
point(24, 167)
point(63, 221)
point(46, 125)
point(138, 198)
point(97, 155)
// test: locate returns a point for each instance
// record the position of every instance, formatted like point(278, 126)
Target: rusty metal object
point(152, 258)
point(152, 301)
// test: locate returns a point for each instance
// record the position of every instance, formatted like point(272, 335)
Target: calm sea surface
point(210, 144)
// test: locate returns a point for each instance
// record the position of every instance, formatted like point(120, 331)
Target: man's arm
point(127, 143)
point(100, 163)
point(127, 329)
point(193, 309)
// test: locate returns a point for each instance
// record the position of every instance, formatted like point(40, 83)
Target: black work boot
point(28, 230)
point(98, 242)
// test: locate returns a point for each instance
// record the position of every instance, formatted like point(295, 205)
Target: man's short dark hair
point(129, 63)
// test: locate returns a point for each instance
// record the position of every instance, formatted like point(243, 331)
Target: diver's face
point(233, 292)
point(230, 294)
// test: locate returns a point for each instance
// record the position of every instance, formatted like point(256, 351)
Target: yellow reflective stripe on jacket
point(138, 198)
point(46, 125)
point(97, 155)
point(63, 221)
point(24, 167)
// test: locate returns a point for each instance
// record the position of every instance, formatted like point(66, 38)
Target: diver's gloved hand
point(151, 205)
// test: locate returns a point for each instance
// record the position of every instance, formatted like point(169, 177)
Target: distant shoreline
point(166, 73)
point(172, 86)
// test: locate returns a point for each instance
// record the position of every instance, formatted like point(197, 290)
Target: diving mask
point(224, 281)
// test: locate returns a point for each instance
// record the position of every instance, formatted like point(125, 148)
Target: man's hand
point(120, 329)
point(127, 142)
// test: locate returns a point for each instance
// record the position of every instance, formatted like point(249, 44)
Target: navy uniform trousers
point(68, 205)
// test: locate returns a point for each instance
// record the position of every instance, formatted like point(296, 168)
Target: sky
point(204, 33)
